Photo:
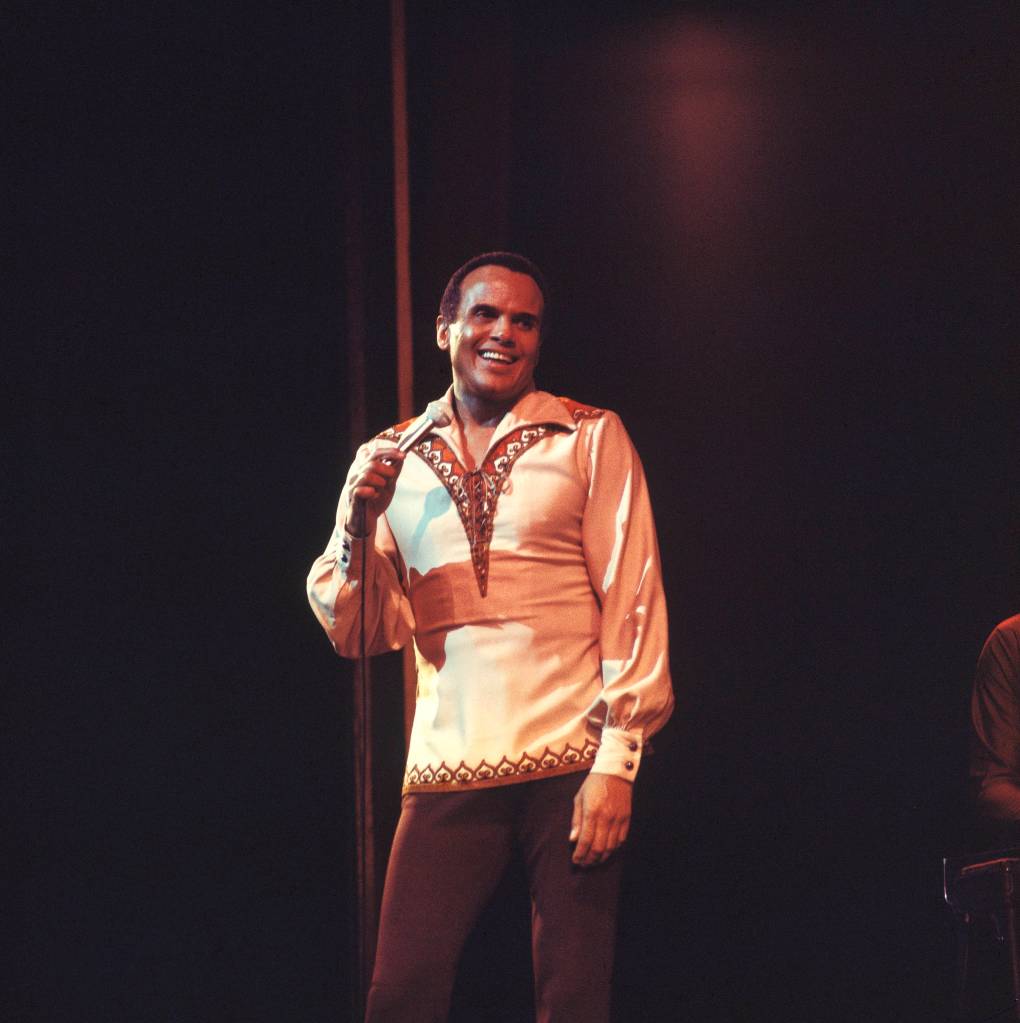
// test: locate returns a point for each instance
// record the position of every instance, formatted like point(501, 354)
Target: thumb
point(575, 820)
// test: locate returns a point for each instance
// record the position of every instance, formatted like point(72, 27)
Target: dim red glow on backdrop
point(722, 125)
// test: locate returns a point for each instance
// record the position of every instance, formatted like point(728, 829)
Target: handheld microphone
point(433, 416)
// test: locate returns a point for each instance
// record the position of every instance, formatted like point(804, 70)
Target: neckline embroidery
point(476, 493)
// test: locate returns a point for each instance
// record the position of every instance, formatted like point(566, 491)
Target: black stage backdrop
point(782, 247)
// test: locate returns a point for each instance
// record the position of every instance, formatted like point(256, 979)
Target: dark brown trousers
point(449, 852)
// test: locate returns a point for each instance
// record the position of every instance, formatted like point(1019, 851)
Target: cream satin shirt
point(531, 589)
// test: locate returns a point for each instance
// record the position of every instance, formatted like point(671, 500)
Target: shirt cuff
point(349, 550)
point(619, 754)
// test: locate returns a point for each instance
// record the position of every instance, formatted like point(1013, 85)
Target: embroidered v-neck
point(476, 492)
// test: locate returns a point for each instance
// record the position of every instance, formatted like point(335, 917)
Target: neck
point(475, 411)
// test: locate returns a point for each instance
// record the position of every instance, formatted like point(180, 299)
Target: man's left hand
point(601, 818)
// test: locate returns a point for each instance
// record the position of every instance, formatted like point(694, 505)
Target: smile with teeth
point(491, 356)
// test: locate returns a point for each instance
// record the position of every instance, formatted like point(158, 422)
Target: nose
point(503, 330)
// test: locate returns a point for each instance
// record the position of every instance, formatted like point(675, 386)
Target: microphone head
point(438, 414)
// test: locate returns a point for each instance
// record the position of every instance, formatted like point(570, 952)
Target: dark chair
point(984, 887)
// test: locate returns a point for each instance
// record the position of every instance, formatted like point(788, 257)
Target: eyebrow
point(491, 310)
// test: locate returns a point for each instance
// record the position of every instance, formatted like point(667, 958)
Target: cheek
point(461, 355)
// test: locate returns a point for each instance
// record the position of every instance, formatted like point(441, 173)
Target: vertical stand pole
point(402, 276)
point(367, 892)
point(364, 819)
point(364, 834)
point(401, 212)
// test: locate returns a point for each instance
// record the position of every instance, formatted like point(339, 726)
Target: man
point(995, 734)
point(515, 547)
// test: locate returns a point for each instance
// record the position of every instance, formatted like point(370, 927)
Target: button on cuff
point(347, 549)
point(619, 753)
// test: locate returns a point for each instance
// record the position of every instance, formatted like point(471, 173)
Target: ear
point(442, 334)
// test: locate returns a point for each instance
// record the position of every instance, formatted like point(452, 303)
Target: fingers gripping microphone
point(433, 416)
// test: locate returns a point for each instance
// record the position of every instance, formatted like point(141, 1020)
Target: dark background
point(782, 246)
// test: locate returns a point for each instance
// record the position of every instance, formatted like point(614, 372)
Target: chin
point(484, 389)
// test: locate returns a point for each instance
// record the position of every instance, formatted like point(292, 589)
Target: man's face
point(494, 341)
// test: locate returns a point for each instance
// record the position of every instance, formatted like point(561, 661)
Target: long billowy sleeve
point(995, 720)
point(618, 535)
point(335, 596)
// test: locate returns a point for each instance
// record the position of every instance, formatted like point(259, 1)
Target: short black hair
point(450, 303)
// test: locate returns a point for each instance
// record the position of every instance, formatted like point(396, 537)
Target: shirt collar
point(536, 408)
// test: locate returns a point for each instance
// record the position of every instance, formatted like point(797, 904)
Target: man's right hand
point(371, 482)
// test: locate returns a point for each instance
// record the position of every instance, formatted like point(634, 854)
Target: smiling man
point(514, 546)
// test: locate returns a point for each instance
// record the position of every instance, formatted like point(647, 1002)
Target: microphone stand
point(364, 822)
point(364, 825)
